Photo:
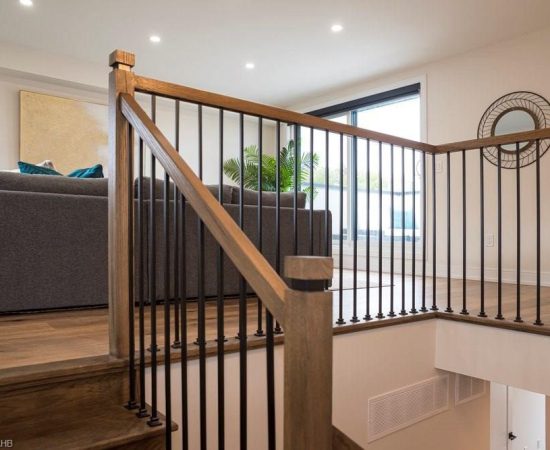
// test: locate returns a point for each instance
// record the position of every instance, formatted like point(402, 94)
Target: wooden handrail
point(472, 144)
point(184, 93)
point(175, 91)
point(265, 281)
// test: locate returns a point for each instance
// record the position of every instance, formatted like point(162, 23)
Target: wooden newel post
point(120, 243)
point(308, 354)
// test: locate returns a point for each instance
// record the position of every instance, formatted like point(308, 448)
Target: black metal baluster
point(167, 325)
point(270, 357)
point(220, 333)
point(499, 315)
point(413, 262)
point(354, 318)
point(434, 237)
point(368, 315)
point(449, 309)
point(201, 307)
point(177, 295)
point(243, 407)
point(518, 236)
point(296, 182)
point(538, 320)
point(392, 231)
point(140, 257)
point(403, 311)
point(482, 234)
point(328, 236)
point(380, 314)
point(464, 224)
point(132, 403)
point(183, 326)
point(259, 330)
point(341, 320)
point(154, 419)
point(312, 191)
point(424, 230)
point(270, 344)
point(277, 329)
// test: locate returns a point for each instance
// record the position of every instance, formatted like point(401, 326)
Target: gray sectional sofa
point(53, 240)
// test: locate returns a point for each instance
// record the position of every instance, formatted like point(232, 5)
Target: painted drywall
point(12, 82)
point(371, 363)
point(456, 93)
point(494, 354)
point(366, 364)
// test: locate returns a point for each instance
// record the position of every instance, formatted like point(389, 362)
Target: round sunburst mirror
point(515, 113)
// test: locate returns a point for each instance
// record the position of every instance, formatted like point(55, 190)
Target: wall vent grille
point(401, 408)
point(468, 388)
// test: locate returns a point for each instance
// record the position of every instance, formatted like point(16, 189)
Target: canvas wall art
point(71, 133)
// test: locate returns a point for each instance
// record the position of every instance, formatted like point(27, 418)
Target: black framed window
point(396, 112)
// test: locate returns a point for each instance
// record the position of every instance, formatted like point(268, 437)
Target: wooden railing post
point(308, 354)
point(121, 80)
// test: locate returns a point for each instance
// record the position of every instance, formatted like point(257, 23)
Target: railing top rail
point(184, 93)
point(175, 91)
point(265, 281)
point(543, 133)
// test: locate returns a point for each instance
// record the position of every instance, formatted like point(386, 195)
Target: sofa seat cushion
point(269, 198)
point(10, 181)
point(159, 190)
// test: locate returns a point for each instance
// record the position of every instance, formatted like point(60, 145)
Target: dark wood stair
point(70, 405)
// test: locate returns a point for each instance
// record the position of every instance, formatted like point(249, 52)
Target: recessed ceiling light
point(26, 2)
point(250, 65)
point(336, 28)
point(154, 38)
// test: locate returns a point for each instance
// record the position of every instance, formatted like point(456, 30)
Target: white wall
point(10, 85)
point(504, 356)
point(366, 364)
point(457, 92)
point(26, 69)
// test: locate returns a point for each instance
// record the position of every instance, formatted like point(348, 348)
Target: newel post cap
point(308, 267)
point(120, 59)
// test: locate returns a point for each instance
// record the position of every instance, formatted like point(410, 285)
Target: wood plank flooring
point(27, 339)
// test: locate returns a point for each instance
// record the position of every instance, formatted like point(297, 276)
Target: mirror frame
point(534, 105)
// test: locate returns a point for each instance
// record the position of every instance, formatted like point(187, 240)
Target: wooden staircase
point(74, 404)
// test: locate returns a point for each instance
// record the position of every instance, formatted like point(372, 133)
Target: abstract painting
point(72, 134)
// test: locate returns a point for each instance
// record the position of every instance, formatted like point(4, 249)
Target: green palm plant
point(232, 168)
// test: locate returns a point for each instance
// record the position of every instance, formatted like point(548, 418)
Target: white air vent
point(398, 409)
point(468, 388)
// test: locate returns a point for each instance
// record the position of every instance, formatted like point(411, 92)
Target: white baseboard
point(528, 277)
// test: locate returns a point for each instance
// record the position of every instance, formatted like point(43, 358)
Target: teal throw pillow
point(33, 169)
point(89, 172)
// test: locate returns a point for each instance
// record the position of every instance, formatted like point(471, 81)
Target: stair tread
point(47, 373)
point(95, 428)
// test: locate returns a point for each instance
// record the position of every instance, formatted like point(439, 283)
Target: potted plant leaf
point(232, 169)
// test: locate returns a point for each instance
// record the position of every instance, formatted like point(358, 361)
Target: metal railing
point(151, 247)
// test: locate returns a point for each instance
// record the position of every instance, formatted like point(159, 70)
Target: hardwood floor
point(27, 339)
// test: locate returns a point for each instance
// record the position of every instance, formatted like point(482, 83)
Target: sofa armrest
point(54, 250)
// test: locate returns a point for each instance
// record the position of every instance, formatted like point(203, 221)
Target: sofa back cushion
point(269, 198)
point(10, 181)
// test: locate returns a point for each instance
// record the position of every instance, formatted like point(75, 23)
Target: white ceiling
point(205, 43)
